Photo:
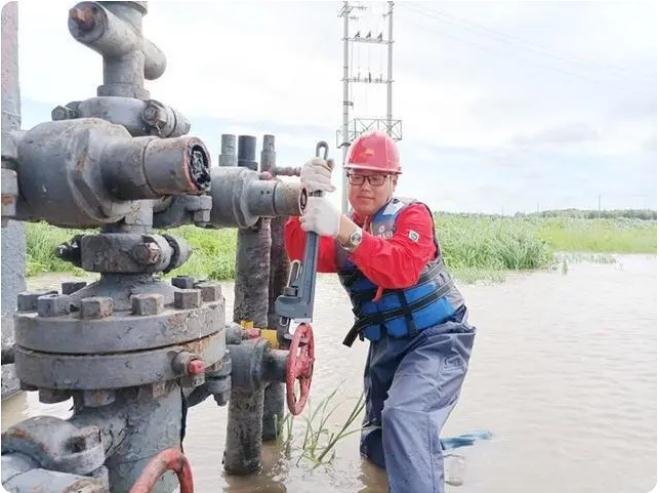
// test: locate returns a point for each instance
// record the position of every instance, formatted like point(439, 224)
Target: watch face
point(356, 237)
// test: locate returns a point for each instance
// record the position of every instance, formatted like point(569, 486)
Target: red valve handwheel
point(171, 459)
point(299, 367)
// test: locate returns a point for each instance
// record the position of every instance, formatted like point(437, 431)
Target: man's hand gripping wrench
point(297, 301)
point(297, 304)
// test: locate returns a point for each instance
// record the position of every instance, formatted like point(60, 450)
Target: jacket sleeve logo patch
point(413, 235)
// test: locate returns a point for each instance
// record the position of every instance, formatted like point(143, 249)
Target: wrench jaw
point(296, 303)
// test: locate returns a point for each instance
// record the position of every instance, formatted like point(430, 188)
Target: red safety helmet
point(374, 151)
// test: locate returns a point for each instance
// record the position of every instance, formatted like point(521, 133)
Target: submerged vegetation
point(317, 442)
point(474, 246)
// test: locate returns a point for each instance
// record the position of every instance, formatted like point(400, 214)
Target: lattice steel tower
point(350, 129)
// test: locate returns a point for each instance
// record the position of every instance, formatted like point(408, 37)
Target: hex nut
point(62, 113)
point(70, 287)
point(210, 291)
point(53, 305)
point(183, 282)
point(201, 216)
point(27, 300)
point(96, 307)
point(187, 298)
point(147, 304)
point(147, 253)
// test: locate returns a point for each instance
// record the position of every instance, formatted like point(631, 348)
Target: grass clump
point(490, 244)
point(317, 445)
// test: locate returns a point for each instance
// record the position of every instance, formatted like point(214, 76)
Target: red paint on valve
point(299, 367)
point(196, 367)
point(171, 459)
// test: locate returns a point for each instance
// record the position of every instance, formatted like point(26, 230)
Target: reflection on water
point(563, 373)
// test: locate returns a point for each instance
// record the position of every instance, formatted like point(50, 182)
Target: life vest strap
point(381, 318)
point(425, 277)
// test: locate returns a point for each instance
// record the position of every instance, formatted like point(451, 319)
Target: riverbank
point(475, 247)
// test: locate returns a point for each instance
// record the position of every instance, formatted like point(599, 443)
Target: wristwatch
point(354, 240)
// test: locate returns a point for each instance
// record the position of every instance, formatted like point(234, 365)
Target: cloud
point(513, 96)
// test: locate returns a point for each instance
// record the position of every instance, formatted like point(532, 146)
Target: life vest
point(401, 312)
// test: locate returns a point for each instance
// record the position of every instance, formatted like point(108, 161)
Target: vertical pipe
point(247, 152)
point(390, 66)
point(228, 150)
point(242, 454)
point(346, 105)
point(274, 397)
point(245, 424)
point(13, 234)
point(268, 154)
point(152, 425)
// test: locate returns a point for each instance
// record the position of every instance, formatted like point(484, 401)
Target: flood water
point(563, 374)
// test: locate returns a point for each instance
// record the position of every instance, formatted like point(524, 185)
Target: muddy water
point(563, 374)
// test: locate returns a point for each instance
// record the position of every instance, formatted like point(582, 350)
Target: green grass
point(317, 445)
point(475, 247)
point(490, 244)
point(214, 253)
point(619, 235)
point(42, 240)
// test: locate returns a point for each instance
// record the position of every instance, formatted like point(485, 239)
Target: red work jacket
point(393, 263)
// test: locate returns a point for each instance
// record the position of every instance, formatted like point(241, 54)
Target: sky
point(505, 106)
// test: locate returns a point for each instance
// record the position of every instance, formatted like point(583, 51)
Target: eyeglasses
point(373, 180)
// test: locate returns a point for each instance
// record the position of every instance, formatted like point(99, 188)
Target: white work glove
point(321, 217)
point(316, 176)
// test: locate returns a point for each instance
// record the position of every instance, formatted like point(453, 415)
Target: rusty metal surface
point(111, 345)
point(286, 171)
point(299, 368)
point(82, 172)
point(123, 331)
point(120, 287)
point(125, 253)
point(110, 371)
point(279, 267)
point(56, 444)
point(138, 425)
point(252, 274)
point(242, 453)
point(241, 196)
point(115, 32)
point(177, 166)
point(184, 209)
point(61, 179)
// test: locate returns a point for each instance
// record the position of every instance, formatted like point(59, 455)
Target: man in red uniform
point(405, 304)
